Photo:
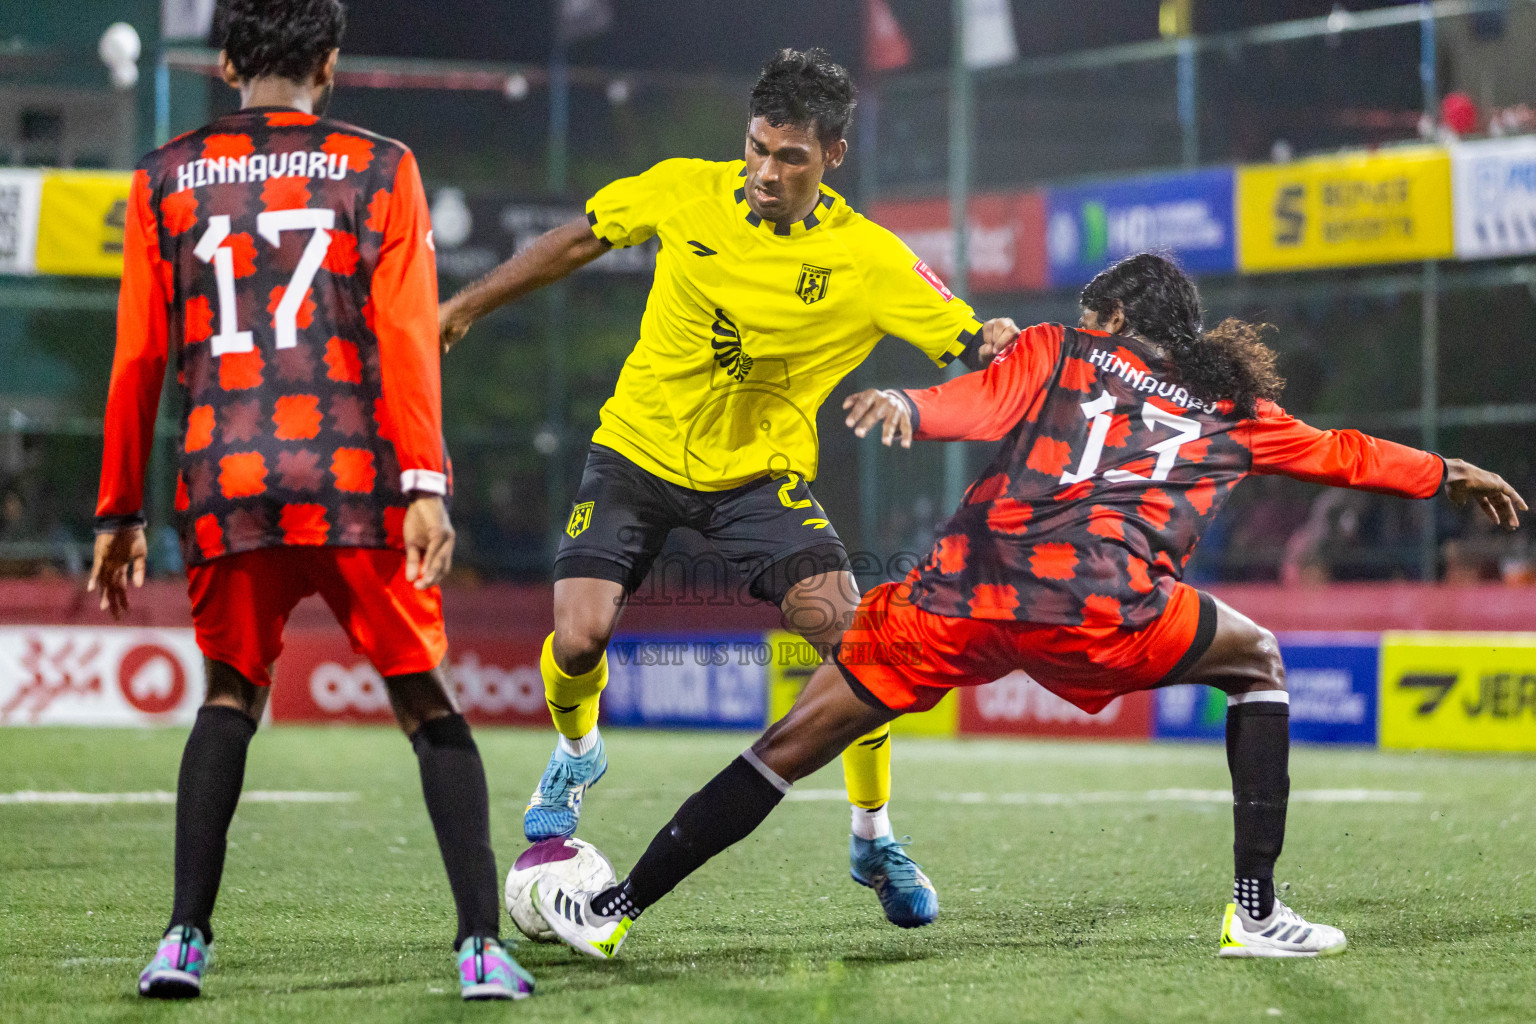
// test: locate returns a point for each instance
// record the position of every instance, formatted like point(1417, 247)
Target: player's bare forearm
point(1500, 502)
point(552, 256)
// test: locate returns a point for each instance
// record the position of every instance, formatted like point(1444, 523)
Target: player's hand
point(119, 557)
point(996, 335)
point(867, 408)
point(428, 542)
point(1498, 500)
point(452, 325)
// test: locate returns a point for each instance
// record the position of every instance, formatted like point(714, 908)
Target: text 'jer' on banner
point(1459, 691)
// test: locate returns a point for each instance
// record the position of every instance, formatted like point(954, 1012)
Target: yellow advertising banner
point(80, 223)
point(1344, 210)
point(790, 669)
point(1458, 691)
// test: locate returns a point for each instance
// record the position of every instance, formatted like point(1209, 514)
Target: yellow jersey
point(750, 325)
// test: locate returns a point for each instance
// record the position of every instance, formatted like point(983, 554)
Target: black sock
point(1255, 895)
point(729, 807)
point(207, 791)
point(1258, 755)
point(453, 783)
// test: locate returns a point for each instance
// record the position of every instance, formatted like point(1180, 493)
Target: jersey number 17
point(270, 225)
point(1101, 416)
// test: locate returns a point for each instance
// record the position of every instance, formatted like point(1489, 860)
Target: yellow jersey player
point(768, 290)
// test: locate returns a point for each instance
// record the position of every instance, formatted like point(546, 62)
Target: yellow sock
point(572, 700)
point(867, 769)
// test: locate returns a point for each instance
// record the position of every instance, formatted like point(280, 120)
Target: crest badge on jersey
point(813, 283)
point(581, 518)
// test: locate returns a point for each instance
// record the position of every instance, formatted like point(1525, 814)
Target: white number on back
point(1101, 416)
point(270, 225)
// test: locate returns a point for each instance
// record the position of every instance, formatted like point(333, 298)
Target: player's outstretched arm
point(1465, 482)
point(552, 255)
point(980, 406)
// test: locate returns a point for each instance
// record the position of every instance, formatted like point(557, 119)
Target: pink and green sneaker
point(176, 972)
point(487, 971)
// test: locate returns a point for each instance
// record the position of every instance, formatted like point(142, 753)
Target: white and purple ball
point(569, 863)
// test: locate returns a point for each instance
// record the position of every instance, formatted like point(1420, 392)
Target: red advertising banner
point(1005, 237)
point(1016, 705)
point(321, 679)
point(98, 675)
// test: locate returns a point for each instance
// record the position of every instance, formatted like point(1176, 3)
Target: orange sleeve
point(984, 406)
point(138, 368)
point(404, 296)
point(1282, 444)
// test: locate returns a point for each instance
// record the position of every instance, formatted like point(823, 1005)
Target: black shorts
point(772, 531)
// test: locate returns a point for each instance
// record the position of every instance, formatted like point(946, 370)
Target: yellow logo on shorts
point(581, 518)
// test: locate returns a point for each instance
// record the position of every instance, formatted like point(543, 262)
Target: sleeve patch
point(936, 282)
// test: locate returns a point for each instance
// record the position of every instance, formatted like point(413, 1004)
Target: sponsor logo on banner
point(791, 662)
point(99, 676)
point(1459, 691)
point(20, 196)
point(81, 221)
point(1005, 238)
point(320, 679)
point(1345, 210)
point(665, 681)
point(1332, 682)
point(1017, 705)
point(1495, 195)
point(1188, 216)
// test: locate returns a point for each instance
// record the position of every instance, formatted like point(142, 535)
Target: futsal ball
point(568, 863)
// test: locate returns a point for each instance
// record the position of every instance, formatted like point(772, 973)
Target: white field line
point(160, 796)
point(1191, 796)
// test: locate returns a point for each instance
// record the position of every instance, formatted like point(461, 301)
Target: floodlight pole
point(1429, 313)
point(1189, 127)
point(869, 185)
point(961, 116)
point(557, 297)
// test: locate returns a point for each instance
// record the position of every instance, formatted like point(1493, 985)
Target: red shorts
point(240, 604)
point(900, 657)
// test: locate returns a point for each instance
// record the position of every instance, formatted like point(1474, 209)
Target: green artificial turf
point(1055, 906)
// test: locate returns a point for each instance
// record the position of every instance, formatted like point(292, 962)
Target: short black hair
point(278, 38)
point(802, 89)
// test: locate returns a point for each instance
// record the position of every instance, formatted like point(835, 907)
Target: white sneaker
point(1283, 933)
point(570, 916)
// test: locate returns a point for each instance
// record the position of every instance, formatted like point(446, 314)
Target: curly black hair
point(805, 89)
point(1161, 304)
point(278, 38)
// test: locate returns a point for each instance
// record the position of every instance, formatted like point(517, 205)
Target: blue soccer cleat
point(906, 895)
point(487, 971)
point(176, 972)
point(555, 807)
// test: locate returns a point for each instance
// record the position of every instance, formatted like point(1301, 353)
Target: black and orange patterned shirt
point(285, 262)
point(1109, 473)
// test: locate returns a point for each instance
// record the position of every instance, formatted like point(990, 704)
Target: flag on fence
point(886, 46)
point(989, 39)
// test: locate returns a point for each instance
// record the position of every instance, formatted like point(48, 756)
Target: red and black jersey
point(286, 261)
point(1110, 472)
